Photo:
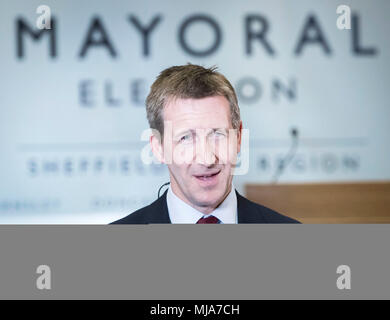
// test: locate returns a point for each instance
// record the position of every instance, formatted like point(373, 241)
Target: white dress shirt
point(181, 212)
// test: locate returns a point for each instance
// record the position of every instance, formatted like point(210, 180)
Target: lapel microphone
point(158, 193)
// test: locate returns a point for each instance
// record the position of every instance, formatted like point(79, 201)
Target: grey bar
point(195, 261)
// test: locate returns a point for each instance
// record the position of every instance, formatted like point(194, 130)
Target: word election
point(250, 90)
point(256, 36)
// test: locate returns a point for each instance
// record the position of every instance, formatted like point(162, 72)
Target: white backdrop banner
point(72, 96)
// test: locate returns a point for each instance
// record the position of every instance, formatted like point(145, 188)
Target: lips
point(207, 174)
point(207, 178)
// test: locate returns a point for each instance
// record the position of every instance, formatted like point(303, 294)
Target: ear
point(156, 145)
point(239, 136)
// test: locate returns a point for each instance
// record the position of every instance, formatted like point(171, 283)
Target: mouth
point(208, 179)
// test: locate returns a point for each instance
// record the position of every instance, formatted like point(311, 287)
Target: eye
point(186, 138)
point(219, 134)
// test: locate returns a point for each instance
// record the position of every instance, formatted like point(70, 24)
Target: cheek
point(222, 151)
point(233, 150)
point(226, 151)
point(180, 172)
point(183, 154)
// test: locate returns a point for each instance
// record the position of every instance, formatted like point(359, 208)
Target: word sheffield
point(256, 35)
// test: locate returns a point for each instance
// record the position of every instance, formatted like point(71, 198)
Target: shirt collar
point(181, 212)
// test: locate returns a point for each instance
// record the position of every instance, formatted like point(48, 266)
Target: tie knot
point(210, 219)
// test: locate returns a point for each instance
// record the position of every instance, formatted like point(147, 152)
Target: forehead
point(209, 112)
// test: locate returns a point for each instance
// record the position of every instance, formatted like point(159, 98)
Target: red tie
point(210, 219)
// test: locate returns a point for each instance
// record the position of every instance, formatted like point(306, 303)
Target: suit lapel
point(159, 210)
point(247, 213)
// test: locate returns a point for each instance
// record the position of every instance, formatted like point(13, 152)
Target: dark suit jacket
point(248, 212)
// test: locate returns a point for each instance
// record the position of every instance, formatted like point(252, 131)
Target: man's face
point(199, 150)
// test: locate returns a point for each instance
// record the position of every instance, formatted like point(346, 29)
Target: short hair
point(188, 82)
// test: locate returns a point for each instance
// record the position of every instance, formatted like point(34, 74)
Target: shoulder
point(156, 212)
point(252, 212)
point(137, 217)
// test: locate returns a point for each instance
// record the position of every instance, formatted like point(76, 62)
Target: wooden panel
point(362, 202)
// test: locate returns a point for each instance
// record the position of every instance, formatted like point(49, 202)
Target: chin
point(209, 198)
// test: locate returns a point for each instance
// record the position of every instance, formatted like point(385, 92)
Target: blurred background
point(312, 86)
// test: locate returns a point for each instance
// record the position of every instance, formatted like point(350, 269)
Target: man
point(194, 115)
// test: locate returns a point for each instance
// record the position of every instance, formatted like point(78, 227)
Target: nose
point(205, 152)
